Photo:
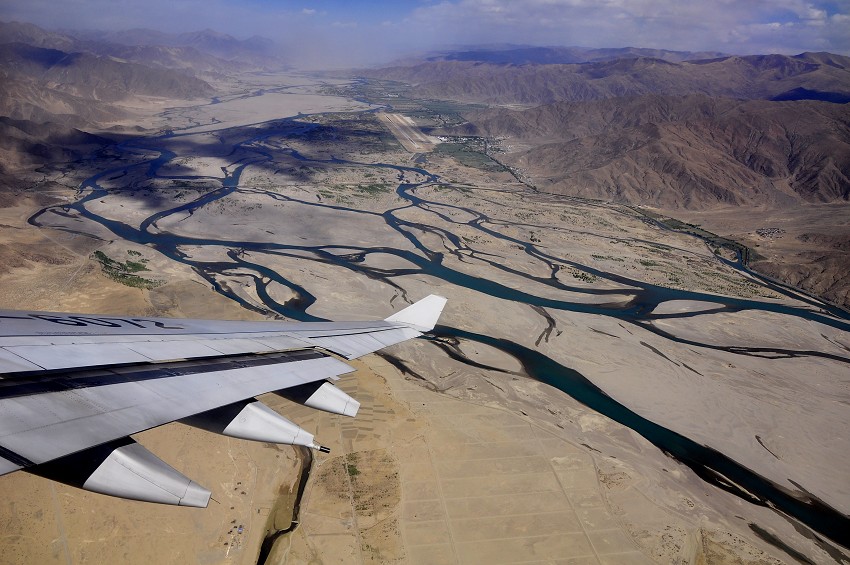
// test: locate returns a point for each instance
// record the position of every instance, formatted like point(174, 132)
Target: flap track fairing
point(322, 395)
point(125, 469)
point(253, 420)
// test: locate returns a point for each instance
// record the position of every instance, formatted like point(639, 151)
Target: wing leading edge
point(71, 386)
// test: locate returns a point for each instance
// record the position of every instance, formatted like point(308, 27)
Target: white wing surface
point(73, 387)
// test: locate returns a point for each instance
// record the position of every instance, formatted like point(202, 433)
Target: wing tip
point(421, 315)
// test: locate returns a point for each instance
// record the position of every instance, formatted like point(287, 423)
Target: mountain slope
point(80, 89)
point(192, 53)
point(528, 55)
point(91, 76)
point(256, 51)
point(18, 32)
point(752, 77)
point(691, 152)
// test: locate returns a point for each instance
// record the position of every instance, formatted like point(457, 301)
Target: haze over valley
point(645, 356)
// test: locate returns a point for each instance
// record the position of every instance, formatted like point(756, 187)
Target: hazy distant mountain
point(225, 46)
point(809, 75)
point(187, 60)
point(96, 77)
point(147, 47)
point(528, 55)
point(254, 50)
point(684, 151)
point(53, 84)
point(47, 94)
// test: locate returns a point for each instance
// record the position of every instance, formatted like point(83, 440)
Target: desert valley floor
point(600, 389)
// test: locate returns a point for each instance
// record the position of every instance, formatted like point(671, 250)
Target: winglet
point(422, 315)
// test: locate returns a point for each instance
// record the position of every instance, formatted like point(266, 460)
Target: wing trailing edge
point(125, 469)
point(422, 316)
point(31, 342)
point(73, 387)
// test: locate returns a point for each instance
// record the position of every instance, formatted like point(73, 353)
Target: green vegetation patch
point(444, 113)
point(399, 97)
point(351, 465)
point(470, 152)
point(582, 276)
point(375, 188)
point(124, 272)
point(607, 258)
point(712, 239)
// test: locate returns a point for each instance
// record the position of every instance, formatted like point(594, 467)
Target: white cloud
point(357, 36)
point(722, 25)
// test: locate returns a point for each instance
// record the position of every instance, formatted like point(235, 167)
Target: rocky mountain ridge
point(812, 75)
point(55, 87)
point(197, 54)
point(534, 55)
point(98, 77)
point(678, 151)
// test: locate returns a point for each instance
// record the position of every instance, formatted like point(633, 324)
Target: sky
point(339, 33)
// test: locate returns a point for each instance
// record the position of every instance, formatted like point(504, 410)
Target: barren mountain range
point(88, 80)
point(674, 135)
point(525, 55)
point(56, 86)
point(92, 77)
point(808, 75)
point(194, 53)
point(689, 151)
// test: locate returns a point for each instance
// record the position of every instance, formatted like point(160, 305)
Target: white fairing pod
point(252, 420)
point(133, 472)
point(322, 396)
point(330, 399)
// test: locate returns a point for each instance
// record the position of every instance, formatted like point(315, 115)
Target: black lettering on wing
point(58, 320)
point(95, 321)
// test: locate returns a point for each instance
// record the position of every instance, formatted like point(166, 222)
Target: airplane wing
point(74, 387)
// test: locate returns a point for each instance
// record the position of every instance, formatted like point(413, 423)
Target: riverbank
point(805, 248)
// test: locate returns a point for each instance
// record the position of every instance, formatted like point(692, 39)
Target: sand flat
point(497, 517)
